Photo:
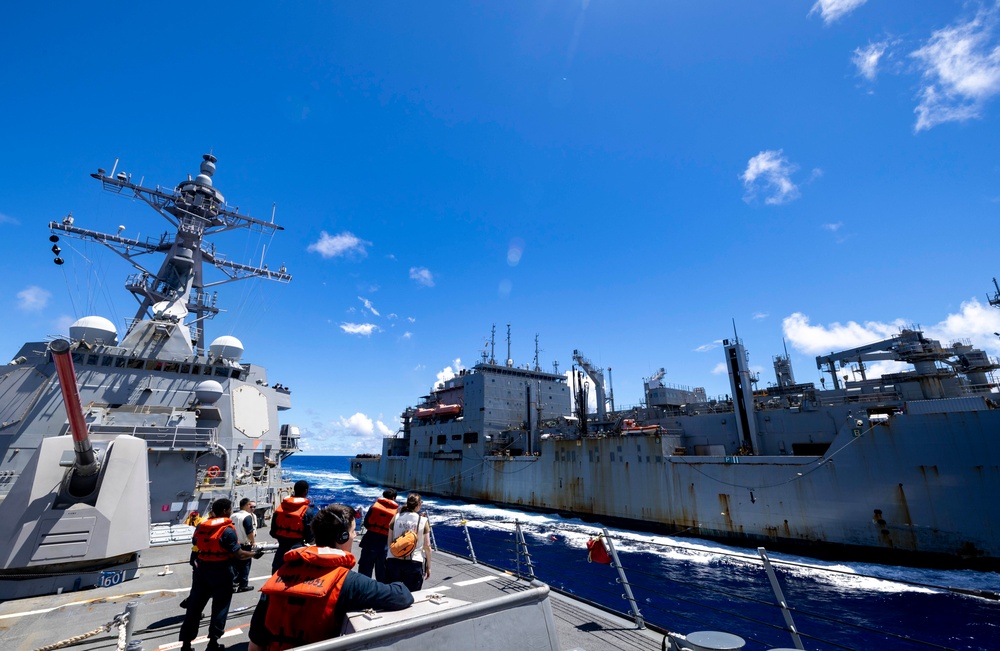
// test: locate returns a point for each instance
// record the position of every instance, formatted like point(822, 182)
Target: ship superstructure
point(209, 420)
point(902, 469)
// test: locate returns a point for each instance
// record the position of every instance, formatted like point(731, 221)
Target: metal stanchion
point(468, 540)
point(781, 598)
point(639, 623)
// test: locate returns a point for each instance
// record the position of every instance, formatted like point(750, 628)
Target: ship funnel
point(86, 461)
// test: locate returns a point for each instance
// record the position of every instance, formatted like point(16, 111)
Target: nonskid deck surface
point(28, 624)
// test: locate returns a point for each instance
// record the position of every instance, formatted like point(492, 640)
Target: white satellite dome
point(94, 330)
point(226, 347)
point(208, 392)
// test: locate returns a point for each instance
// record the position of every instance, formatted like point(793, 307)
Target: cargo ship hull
point(873, 472)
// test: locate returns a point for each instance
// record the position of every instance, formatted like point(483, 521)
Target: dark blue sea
point(685, 584)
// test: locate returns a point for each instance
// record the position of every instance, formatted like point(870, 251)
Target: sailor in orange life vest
point(373, 543)
point(307, 599)
point(213, 575)
point(290, 523)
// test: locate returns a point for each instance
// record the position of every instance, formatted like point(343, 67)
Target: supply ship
point(901, 469)
point(195, 422)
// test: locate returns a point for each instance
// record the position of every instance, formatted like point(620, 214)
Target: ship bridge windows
point(442, 439)
point(470, 437)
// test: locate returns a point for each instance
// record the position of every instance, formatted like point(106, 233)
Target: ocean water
point(685, 584)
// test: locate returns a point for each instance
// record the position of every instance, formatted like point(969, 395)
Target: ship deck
point(32, 623)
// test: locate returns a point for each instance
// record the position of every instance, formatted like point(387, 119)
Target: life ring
point(213, 472)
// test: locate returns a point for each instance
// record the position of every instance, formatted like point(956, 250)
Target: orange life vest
point(208, 539)
point(381, 514)
point(302, 596)
point(288, 517)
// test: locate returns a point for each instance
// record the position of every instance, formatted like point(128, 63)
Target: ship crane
point(908, 346)
point(596, 376)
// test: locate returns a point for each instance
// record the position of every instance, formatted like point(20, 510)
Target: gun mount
point(78, 515)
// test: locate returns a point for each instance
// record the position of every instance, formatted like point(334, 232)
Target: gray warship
point(199, 421)
point(901, 469)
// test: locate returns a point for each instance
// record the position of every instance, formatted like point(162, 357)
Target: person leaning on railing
point(307, 599)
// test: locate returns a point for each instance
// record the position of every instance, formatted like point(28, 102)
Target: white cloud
point(358, 424)
point(975, 322)
point(342, 244)
point(704, 348)
point(411, 319)
point(720, 368)
point(7, 219)
point(770, 172)
point(448, 372)
point(833, 228)
point(407, 335)
point(961, 70)
point(760, 316)
point(833, 10)
point(33, 299)
point(867, 58)
point(365, 329)
point(818, 339)
point(345, 436)
point(368, 305)
point(422, 275)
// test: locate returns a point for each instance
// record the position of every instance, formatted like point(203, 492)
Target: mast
point(197, 210)
point(510, 361)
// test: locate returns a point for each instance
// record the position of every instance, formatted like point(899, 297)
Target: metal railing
point(693, 603)
point(169, 438)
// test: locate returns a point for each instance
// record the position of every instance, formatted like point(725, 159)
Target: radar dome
point(94, 330)
point(208, 392)
point(226, 347)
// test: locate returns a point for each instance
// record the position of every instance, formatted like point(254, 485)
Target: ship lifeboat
point(448, 410)
point(630, 427)
point(441, 411)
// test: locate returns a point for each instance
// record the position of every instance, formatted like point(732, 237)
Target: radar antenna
point(197, 210)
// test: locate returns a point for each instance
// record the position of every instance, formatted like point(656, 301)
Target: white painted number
point(109, 579)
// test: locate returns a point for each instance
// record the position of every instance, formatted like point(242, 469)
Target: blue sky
point(623, 178)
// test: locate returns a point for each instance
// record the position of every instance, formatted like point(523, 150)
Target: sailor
point(193, 520)
point(290, 523)
point(414, 567)
point(218, 546)
point(373, 543)
point(307, 599)
point(245, 522)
